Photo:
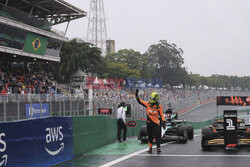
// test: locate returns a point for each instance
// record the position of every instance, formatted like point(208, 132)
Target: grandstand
point(27, 36)
point(25, 28)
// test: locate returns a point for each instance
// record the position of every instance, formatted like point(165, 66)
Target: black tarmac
point(174, 154)
point(205, 112)
point(189, 155)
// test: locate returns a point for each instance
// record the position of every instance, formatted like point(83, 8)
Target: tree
point(119, 70)
point(165, 61)
point(77, 54)
point(194, 80)
point(133, 59)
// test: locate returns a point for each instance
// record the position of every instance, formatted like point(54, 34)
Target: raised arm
point(141, 102)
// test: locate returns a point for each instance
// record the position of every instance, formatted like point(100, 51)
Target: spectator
point(3, 92)
point(121, 122)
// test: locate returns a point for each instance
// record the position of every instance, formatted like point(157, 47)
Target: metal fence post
point(60, 107)
point(78, 108)
point(84, 106)
point(18, 109)
point(63, 106)
point(30, 108)
point(4, 111)
point(50, 108)
point(40, 106)
point(70, 106)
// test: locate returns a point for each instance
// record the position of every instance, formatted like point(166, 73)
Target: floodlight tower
point(97, 33)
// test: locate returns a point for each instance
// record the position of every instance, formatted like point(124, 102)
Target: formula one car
point(213, 136)
point(229, 132)
point(176, 130)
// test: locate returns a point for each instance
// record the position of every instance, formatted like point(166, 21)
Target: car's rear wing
point(233, 100)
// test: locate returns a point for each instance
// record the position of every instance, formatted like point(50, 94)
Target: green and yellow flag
point(35, 44)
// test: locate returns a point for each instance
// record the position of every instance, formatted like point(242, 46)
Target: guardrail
point(138, 112)
point(19, 107)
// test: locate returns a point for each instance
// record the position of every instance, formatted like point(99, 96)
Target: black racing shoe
point(158, 150)
point(150, 150)
point(120, 141)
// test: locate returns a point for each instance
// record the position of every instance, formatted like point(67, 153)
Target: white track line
point(116, 161)
point(183, 155)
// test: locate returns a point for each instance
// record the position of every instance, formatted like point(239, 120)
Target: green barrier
point(199, 125)
point(135, 131)
point(90, 132)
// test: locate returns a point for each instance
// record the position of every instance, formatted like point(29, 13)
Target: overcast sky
point(214, 34)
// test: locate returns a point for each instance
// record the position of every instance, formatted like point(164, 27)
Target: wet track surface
point(206, 112)
point(189, 155)
point(202, 113)
point(133, 153)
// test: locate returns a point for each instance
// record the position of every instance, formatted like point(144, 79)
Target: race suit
point(153, 121)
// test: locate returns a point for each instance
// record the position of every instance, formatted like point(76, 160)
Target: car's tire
point(207, 134)
point(190, 132)
point(143, 132)
point(183, 132)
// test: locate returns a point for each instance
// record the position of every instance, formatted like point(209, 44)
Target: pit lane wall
point(48, 141)
point(90, 132)
point(36, 142)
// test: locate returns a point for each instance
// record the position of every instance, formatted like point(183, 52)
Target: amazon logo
point(54, 135)
point(3, 146)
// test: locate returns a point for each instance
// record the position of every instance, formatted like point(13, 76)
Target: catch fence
point(18, 107)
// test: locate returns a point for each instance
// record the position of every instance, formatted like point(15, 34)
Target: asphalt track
point(185, 155)
point(133, 153)
point(202, 113)
point(205, 112)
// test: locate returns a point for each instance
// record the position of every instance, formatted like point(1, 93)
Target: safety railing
point(18, 107)
point(177, 104)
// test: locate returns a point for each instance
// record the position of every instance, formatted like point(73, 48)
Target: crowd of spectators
point(127, 94)
point(176, 98)
point(20, 79)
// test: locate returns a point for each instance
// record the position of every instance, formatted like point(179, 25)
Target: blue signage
point(133, 83)
point(37, 142)
point(36, 111)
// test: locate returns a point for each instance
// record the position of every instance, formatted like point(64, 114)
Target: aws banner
point(36, 142)
point(35, 44)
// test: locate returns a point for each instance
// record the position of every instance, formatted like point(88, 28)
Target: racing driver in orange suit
point(155, 119)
